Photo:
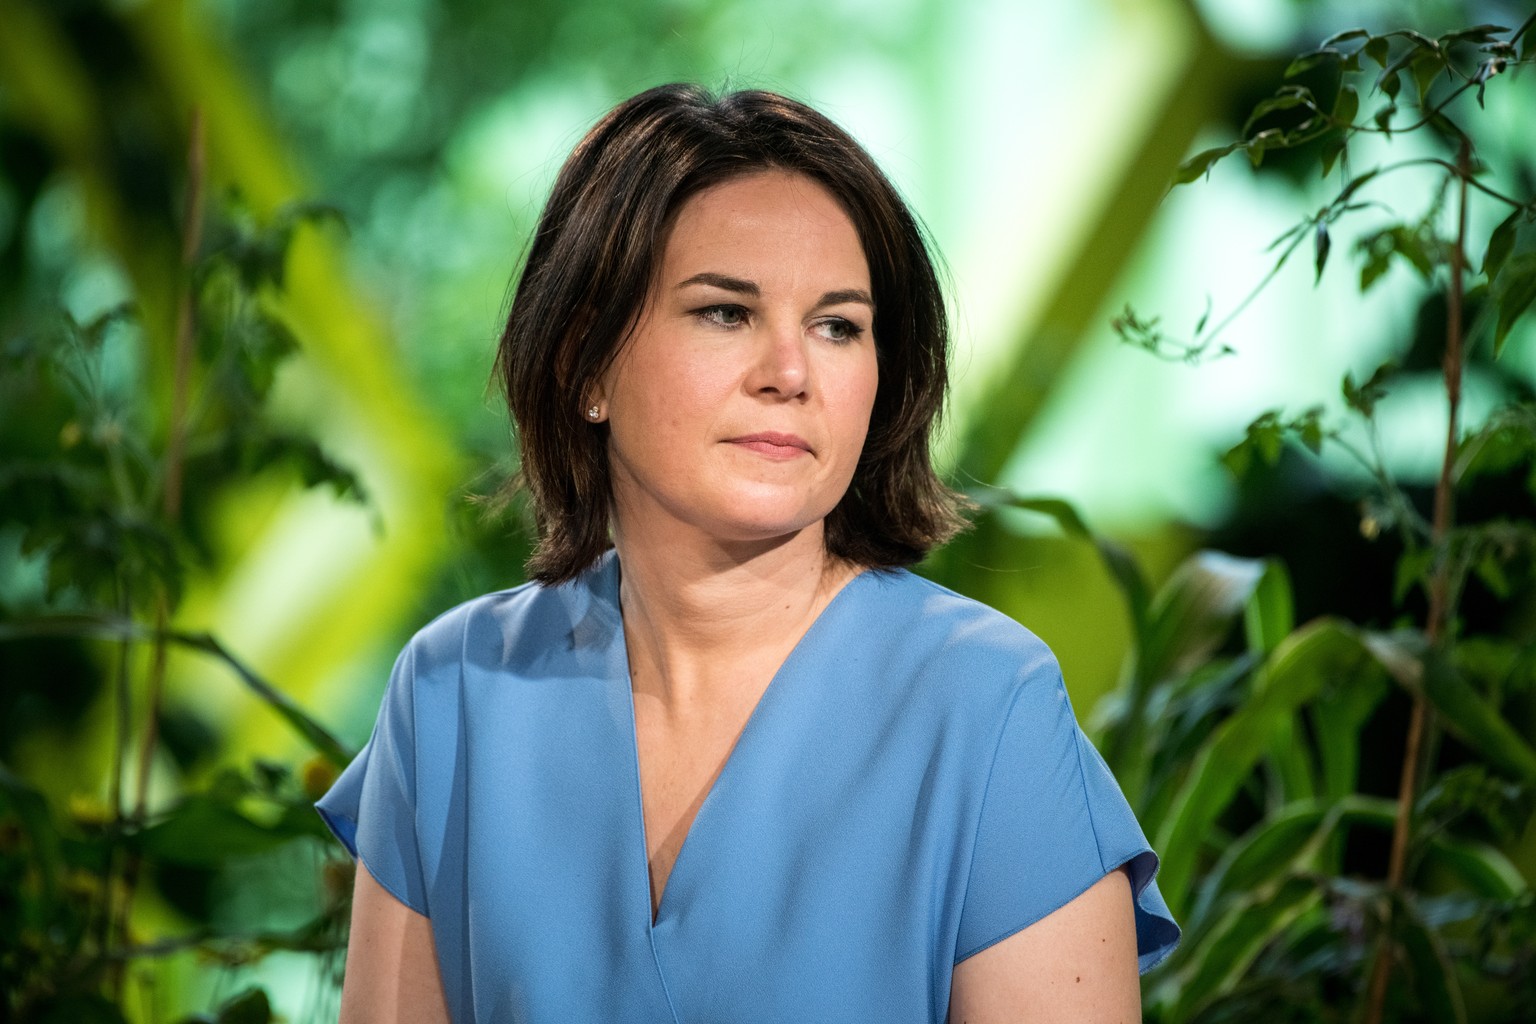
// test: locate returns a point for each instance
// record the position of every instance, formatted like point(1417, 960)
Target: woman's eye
point(838, 329)
point(723, 316)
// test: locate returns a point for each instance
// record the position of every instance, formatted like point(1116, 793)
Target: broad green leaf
point(1266, 139)
point(1310, 429)
point(1292, 676)
point(1485, 869)
point(1308, 61)
point(1426, 66)
point(1337, 718)
point(1515, 291)
point(1286, 838)
point(1478, 722)
point(1433, 973)
point(207, 832)
point(1500, 243)
point(1232, 946)
point(1194, 612)
point(1377, 48)
point(1332, 150)
point(1197, 165)
point(1274, 105)
point(1344, 37)
point(1390, 85)
point(1120, 563)
point(1292, 775)
point(1345, 106)
point(1269, 615)
point(1476, 34)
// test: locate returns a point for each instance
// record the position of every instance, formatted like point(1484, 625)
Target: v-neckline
point(654, 917)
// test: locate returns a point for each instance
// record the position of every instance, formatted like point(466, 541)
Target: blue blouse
point(911, 788)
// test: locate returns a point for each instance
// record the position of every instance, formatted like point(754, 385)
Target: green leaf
point(1383, 117)
point(1275, 104)
point(1199, 164)
point(249, 1007)
point(1119, 562)
point(1337, 718)
point(1307, 61)
point(1344, 37)
point(1322, 245)
point(1195, 610)
point(1266, 139)
point(1500, 243)
point(1377, 48)
point(1269, 615)
point(1390, 85)
point(1363, 397)
point(1355, 184)
point(1332, 150)
point(1515, 291)
point(1490, 570)
point(1475, 34)
point(1310, 429)
point(206, 832)
point(1413, 567)
point(1285, 840)
point(1236, 941)
point(1345, 106)
point(1433, 973)
point(1426, 66)
point(1294, 674)
point(1478, 722)
point(1485, 869)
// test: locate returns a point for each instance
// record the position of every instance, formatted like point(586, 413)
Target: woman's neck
point(702, 619)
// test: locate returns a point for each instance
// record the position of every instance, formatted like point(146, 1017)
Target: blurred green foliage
point(1281, 921)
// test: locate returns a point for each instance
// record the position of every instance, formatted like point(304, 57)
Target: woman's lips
point(774, 445)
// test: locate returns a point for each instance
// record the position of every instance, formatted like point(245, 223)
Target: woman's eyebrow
point(745, 287)
point(730, 284)
point(847, 295)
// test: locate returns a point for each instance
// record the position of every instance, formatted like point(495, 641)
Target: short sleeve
point(371, 808)
point(1053, 822)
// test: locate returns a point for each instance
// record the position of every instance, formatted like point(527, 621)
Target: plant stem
point(186, 313)
point(1439, 592)
point(191, 238)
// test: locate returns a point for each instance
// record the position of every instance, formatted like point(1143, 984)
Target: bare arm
point(1076, 964)
point(392, 975)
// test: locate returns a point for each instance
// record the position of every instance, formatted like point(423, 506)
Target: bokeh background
point(1036, 142)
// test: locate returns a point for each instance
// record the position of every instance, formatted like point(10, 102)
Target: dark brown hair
point(588, 274)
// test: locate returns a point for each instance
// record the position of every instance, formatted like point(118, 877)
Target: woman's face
point(738, 407)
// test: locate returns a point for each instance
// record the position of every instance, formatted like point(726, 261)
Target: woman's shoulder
point(936, 633)
point(515, 623)
point(913, 605)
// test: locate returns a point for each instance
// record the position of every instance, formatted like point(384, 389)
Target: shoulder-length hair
point(589, 271)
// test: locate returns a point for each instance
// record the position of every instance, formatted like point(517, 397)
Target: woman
point(725, 358)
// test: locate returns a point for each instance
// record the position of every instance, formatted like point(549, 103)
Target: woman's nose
point(783, 368)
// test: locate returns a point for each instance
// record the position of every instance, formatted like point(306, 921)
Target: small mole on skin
point(1078, 978)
